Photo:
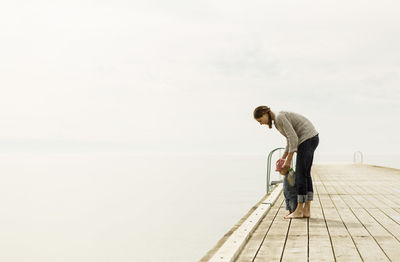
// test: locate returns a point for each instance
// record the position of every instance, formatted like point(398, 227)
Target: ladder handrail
point(269, 166)
point(354, 156)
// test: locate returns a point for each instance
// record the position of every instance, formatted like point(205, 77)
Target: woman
point(301, 136)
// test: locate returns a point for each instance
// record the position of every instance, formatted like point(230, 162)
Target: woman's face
point(263, 120)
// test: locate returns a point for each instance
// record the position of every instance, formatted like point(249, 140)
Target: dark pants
point(290, 194)
point(304, 160)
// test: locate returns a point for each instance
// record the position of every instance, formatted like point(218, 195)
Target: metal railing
point(269, 166)
point(355, 155)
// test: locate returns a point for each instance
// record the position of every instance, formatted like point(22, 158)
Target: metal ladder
point(269, 159)
point(355, 156)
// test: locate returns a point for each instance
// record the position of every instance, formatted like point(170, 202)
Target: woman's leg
point(313, 146)
point(301, 181)
point(305, 155)
point(310, 191)
point(303, 164)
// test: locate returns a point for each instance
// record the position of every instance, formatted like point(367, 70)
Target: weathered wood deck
point(355, 216)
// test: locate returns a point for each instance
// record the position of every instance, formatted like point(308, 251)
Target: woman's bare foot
point(306, 210)
point(295, 214)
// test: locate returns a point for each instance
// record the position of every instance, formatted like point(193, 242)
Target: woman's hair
point(262, 110)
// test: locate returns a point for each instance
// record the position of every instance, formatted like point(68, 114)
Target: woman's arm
point(285, 155)
point(289, 158)
point(291, 135)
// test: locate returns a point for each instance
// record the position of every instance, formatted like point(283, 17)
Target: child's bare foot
point(295, 214)
point(287, 214)
point(306, 214)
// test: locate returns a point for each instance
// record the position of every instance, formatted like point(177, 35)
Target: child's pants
point(290, 194)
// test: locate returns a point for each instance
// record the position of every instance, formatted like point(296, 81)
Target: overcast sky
point(185, 76)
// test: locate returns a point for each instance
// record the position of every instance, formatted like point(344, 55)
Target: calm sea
point(124, 207)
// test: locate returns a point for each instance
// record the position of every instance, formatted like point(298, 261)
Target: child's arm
point(288, 160)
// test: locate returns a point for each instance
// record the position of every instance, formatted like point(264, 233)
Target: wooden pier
point(355, 216)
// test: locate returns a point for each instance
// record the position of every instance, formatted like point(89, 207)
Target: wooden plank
point(350, 201)
point(345, 188)
point(353, 225)
point(368, 221)
point(391, 202)
point(344, 249)
point(385, 240)
point(272, 247)
point(389, 244)
point(355, 186)
point(343, 245)
point(320, 247)
point(330, 188)
point(256, 239)
point(321, 189)
point(364, 187)
point(381, 205)
point(326, 201)
point(339, 188)
point(384, 220)
point(297, 241)
point(390, 225)
point(366, 244)
point(372, 199)
point(384, 187)
point(378, 244)
point(363, 202)
point(384, 206)
point(338, 202)
point(373, 189)
point(393, 214)
point(335, 223)
point(369, 249)
point(317, 225)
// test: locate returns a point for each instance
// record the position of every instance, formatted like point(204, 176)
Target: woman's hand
point(284, 170)
point(286, 165)
point(283, 165)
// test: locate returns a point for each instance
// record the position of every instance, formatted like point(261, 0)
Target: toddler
point(289, 191)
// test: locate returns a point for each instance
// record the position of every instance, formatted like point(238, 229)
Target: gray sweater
point(295, 127)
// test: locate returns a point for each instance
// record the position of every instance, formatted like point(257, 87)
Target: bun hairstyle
point(262, 110)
